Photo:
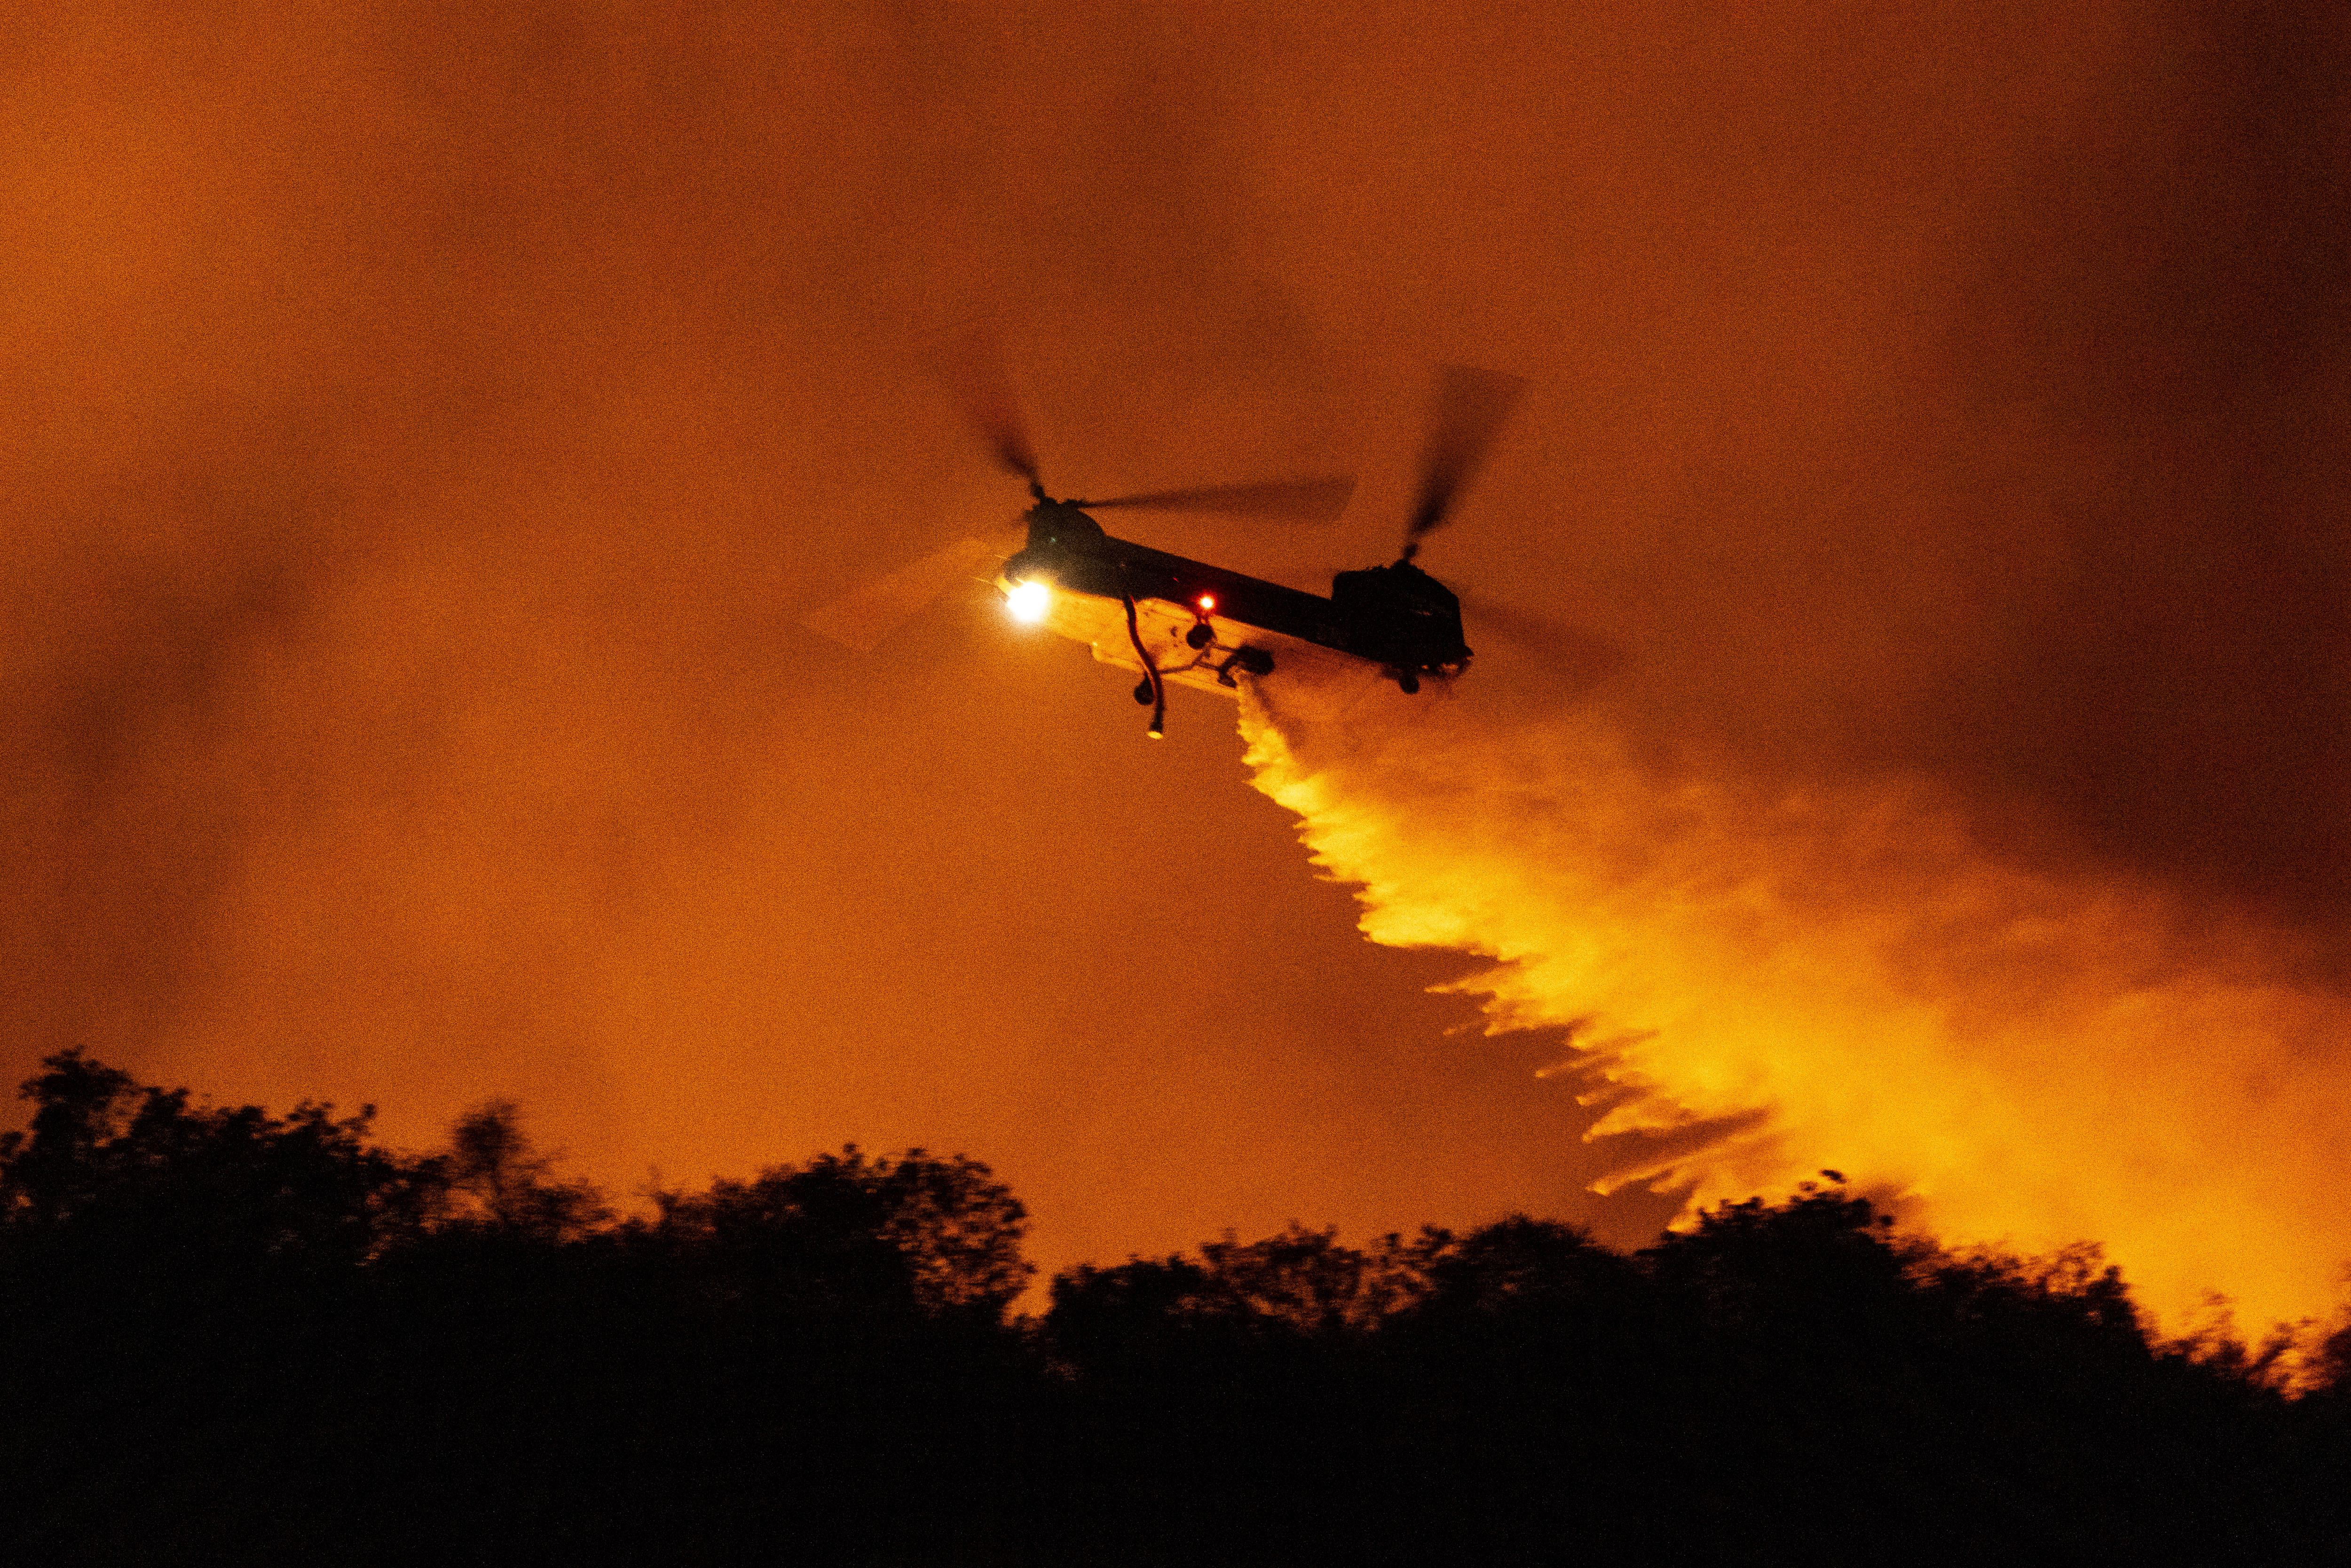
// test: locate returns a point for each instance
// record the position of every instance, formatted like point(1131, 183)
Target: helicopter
point(1174, 620)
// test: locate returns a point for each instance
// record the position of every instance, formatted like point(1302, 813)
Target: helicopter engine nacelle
point(1061, 524)
point(1401, 616)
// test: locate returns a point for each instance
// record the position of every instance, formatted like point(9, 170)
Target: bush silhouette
point(852, 1232)
point(232, 1335)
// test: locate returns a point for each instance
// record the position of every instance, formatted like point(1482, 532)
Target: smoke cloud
point(1939, 769)
point(1923, 752)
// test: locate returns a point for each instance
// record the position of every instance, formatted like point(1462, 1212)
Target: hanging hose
point(1150, 671)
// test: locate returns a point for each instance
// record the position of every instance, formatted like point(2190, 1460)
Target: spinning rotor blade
point(1465, 417)
point(1577, 661)
point(1297, 501)
point(973, 367)
point(862, 618)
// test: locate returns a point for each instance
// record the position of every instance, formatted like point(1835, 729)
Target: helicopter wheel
point(1142, 692)
point(1408, 683)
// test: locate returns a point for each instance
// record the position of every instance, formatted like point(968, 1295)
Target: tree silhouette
point(496, 1182)
point(135, 1178)
point(855, 1231)
point(227, 1334)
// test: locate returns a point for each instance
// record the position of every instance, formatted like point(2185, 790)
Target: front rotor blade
point(861, 619)
point(973, 367)
point(1296, 500)
point(1465, 417)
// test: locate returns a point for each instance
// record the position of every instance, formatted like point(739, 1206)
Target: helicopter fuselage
point(1205, 625)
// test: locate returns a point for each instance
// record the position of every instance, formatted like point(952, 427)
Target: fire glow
point(1850, 982)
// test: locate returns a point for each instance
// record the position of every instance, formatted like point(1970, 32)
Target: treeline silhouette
point(227, 1335)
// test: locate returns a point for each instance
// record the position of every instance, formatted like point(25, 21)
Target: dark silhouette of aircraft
point(1174, 620)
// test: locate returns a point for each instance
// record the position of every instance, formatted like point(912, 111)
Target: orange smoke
point(2013, 1056)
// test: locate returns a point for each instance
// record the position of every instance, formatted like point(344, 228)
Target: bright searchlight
point(1027, 601)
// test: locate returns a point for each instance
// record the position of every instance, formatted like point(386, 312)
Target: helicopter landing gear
point(1152, 689)
point(1151, 692)
point(1408, 683)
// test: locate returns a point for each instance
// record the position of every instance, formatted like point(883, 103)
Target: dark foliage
point(231, 1336)
point(1784, 1383)
point(851, 1234)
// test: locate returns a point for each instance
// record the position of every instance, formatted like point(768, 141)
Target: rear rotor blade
point(862, 618)
point(1465, 417)
point(972, 366)
point(1574, 661)
point(1296, 500)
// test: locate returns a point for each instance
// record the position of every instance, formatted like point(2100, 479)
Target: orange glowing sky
point(426, 425)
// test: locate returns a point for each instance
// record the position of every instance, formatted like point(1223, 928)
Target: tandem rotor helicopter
point(1175, 621)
